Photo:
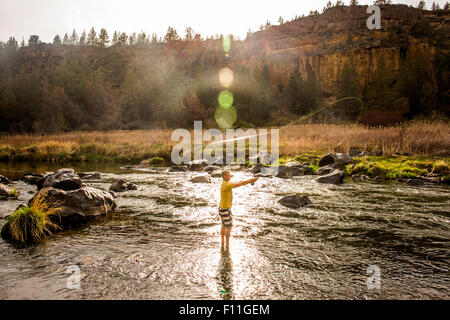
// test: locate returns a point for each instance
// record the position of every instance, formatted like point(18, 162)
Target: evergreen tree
point(115, 38)
point(171, 35)
point(132, 38)
point(103, 38)
point(122, 40)
point(33, 40)
point(142, 38)
point(22, 43)
point(83, 38)
point(57, 40)
point(66, 40)
point(12, 44)
point(189, 34)
point(92, 37)
point(73, 38)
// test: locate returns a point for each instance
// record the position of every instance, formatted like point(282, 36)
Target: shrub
point(32, 223)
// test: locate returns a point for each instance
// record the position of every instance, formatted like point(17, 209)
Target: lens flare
point(225, 118)
point(226, 43)
point(225, 99)
point(226, 77)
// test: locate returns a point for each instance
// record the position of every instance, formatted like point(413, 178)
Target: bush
point(33, 223)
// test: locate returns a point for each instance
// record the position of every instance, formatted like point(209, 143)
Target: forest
point(140, 81)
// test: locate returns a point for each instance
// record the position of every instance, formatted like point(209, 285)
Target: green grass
point(33, 223)
point(395, 167)
point(157, 161)
point(14, 193)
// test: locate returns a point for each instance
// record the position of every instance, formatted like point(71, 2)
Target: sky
point(46, 18)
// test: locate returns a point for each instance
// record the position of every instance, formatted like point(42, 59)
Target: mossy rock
point(155, 161)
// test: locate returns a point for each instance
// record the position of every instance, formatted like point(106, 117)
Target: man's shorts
point(225, 216)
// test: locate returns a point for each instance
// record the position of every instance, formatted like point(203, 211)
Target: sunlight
point(226, 77)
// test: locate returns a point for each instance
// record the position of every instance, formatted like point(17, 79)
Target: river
point(163, 242)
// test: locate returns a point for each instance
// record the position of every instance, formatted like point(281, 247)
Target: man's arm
point(243, 183)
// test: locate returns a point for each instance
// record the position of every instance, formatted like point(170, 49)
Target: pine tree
point(189, 34)
point(103, 38)
point(92, 37)
point(34, 40)
point(83, 38)
point(115, 38)
point(22, 43)
point(122, 40)
point(142, 38)
point(132, 38)
point(73, 38)
point(66, 40)
point(57, 40)
point(171, 35)
point(280, 20)
point(353, 3)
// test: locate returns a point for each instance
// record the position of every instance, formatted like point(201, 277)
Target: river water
point(164, 242)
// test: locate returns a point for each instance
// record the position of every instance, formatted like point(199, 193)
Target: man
point(226, 198)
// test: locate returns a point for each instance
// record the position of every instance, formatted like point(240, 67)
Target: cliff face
point(324, 43)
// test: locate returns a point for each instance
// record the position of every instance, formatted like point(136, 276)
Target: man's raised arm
point(243, 183)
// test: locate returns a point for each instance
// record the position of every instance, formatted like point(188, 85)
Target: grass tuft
point(33, 223)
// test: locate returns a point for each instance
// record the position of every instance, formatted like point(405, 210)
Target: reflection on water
point(225, 275)
point(164, 242)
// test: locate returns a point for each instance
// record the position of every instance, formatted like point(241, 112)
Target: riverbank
point(408, 151)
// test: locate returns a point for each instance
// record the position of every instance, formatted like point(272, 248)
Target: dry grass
point(33, 223)
point(418, 138)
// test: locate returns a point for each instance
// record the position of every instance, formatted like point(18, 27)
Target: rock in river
point(4, 180)
point(201, 179)
point(32, 178)
point(178, 169)
point(90, 175)
point(295, 201)
point(6, 192)
point(121, 185)
point(79, 205)
point(335, 177)
point(64, 179)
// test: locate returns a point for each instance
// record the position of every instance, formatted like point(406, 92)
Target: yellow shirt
point(226, 195)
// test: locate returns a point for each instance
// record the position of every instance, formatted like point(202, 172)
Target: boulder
point(178, 169)
point(211, 168)
point(338, 160)
point(325, 170)
point(257, 169)
point(233, 167)
point(90, 175)
point(32, 178)
point(344, 158)
point(295, 201)
point(121, 185)
point(335, 177)
point(216, 174)
point(197, 165)
point(201, 179)
point(286, 172)
point(79, 205)
point(5, 192)
point(64, 179)
point(4, 180)
point(328, 159)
